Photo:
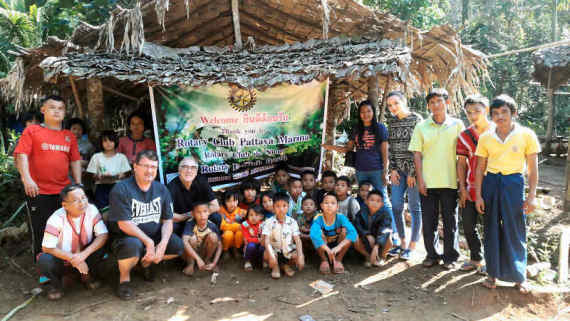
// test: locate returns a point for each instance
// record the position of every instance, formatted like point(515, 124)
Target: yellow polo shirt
point(508, 156)
point(437, 143)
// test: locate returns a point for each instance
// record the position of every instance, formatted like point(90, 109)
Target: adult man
point(43, 157)
point(434, 145)
point(476, 107)
point(189, 188)
point(140, 219)
point(74, 236)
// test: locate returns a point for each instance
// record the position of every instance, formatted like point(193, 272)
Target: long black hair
point(360, 125)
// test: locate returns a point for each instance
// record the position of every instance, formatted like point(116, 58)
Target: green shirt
point(437, 143)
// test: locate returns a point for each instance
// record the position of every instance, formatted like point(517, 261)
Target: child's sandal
point(338, 267)
point(325, 268)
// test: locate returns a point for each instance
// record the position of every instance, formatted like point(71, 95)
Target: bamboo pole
point(76, 96)
point(548, 45)
point(156, 137)
point(235, 18)
point(384, 98)
point(324, 133)
point(118, 93)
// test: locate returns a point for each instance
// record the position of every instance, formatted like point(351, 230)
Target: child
point(253, 249)
point(232, 216)
point(281, 240)
point(347, 204)
point(332, 234)
point(202, 245)
point(296, 194)
point(280, 179)
point(267, 204)
point(86, 149)
point(503, 154)
point(363, 190)
point(305, 220)
point(249, 190)
point(476, 107)
point(107, 167)
point(308, 180)
point(328, 184)
point(374, 225)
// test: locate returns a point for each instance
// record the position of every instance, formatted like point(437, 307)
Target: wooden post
point(327, 134)
point(156, 137)
point(95, 106)
point(563, 256)
point(567, 202)
point(235, 18)
point(76, 97)
point(382, 117)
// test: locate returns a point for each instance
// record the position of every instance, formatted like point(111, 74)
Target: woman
point(135, 142)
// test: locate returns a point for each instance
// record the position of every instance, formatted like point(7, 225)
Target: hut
point(113, 64)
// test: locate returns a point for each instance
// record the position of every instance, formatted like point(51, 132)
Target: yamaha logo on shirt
point(68, 139)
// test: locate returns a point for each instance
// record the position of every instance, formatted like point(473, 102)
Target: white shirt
point(114, 165)
point(281, 235)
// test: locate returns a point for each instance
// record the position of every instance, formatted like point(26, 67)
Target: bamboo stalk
point(235, 18)
point(76, 96)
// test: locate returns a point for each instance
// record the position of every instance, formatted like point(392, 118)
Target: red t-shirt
point(466, 146)
point(131, 147)
point(50, 152)
point(250, 232)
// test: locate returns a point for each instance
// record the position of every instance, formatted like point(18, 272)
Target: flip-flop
point(288, 270)
point(489, 283)
point(276, 274)
point(325, 268)
point(468, 266)
point(338, 267)
point(523, 288)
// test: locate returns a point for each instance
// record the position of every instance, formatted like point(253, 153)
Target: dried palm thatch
point(552, 66)
point(437, 55)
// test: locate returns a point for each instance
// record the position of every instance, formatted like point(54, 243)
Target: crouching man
point(140, 220)
point(73, 239)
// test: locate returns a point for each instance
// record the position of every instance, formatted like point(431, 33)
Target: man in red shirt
point(44, 155)
point(477, 108)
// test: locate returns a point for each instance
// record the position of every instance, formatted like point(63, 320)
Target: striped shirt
point(400, 133)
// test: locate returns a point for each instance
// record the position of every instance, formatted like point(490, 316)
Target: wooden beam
point(384, 98)
point(181, 41)
point(76, 97)
point(235, 19)
point(207, 37)
point(118, 93)
point(271, 26)
point(174, 23)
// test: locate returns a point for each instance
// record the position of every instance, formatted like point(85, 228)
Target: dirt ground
point(397, 291)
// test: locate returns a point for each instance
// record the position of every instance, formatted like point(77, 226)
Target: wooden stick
point(118, 93)
point(384, 95)
point(548, 45)
point(455, 315)
point(19, 307)
point(76, 96)
point(235, 18)
point(563, 256)
point(316, 299)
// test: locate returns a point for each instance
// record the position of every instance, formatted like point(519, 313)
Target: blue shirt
point(368, 154)
point(331, 232)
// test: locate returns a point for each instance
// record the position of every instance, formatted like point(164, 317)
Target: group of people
point(436, 162)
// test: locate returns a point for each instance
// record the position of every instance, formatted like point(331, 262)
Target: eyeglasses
point(153, 167)
point(188, 167)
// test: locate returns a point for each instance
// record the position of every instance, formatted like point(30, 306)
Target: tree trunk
point(373, 93)
point(550, 121)
point(95, 107)
point(330, 133)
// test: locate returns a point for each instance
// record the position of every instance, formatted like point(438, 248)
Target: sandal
point(276, 274)
point(325, 268)
point(288, 270)
point(468, 266)
point(124, 291)
point(54, 293)
point(490, 283)
point(338, 267)
point(248, 267)
point(523, 288)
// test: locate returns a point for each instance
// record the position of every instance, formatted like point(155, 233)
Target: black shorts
point(129, 246)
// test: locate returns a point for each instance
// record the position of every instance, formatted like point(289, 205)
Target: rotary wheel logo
point(242, 99)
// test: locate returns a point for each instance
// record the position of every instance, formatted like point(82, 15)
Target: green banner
point(238, 133)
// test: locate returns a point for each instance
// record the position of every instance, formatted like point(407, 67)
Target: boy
point(202, 242)
point(374, 226)
point(347, 204)
point(309, 180)
point(328, 184)
point(296, 195)
point(306, 219)
point(249, 190)
point(74, 236)
point(363, 190)
point(434, 145)
point(476, 107)
point(280, 179)
point(502, 154)
point(281, 239)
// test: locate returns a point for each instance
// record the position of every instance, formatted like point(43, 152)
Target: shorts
point(125, 247)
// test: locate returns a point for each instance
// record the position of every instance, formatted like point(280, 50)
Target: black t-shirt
point(192, 229)
point(128, 202)
point(183, 199)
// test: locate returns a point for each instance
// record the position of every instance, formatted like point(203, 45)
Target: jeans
point(414, 205)
point(446, 199)
point(375, 178)
point(54, 268)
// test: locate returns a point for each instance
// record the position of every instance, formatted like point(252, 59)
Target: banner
point(238, 133)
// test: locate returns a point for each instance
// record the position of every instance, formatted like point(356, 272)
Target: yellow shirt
point(437, 143)
point(508, 156)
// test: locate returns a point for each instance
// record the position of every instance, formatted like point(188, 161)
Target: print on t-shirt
point(142, 213)
point(368, 140)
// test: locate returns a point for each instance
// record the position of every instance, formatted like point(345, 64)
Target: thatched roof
point(259, 67)
point(437, 55)
point(552, 66)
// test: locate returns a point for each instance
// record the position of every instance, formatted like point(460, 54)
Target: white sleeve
point(92, 167)
point(124, 167)
point(52, 231)
point(295, 228)
point(266, 228)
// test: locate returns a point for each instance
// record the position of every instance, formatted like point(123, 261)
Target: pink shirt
point(131, 147)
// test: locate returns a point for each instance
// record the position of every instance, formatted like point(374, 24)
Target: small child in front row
point(202, 242)
point(267, 204)
point(364, 188)
point(305, 220)
point(332, 234)
point(374, 226)
point(281, 239)
point(251, 229)
point(107, 167)
point(232, 216)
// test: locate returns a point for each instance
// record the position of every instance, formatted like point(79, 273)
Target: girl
point(251, 229)
point(267, 203)
point(107, 167)
point(232, 216)
point(332, 234)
